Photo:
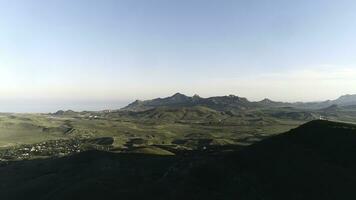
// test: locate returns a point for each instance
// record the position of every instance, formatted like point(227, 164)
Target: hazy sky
point(97, 54)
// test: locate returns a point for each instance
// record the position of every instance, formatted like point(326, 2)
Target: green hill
point(197, 113)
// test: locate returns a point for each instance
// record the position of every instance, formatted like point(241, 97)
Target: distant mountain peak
point(179, 95)
point(347, 96)
point(348, 99)
point(266, 100)
point(232, 96)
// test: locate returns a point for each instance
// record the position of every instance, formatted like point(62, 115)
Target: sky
point(92, 55)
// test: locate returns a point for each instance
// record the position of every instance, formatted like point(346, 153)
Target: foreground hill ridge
point(230, 102)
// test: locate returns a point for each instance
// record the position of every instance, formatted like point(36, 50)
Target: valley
point(159, 126)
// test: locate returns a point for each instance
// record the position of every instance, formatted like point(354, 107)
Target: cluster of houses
point(52, 148)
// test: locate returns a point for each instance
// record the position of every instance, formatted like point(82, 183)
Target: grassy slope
point(25, 128)
point(160, 126)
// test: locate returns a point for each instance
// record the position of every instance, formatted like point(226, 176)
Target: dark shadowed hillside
point(314, 161)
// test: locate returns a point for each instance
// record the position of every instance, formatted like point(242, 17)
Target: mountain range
point(231, 102)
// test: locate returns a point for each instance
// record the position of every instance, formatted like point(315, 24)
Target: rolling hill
point(313, 161)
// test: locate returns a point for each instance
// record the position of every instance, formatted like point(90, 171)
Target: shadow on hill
point(314, 161)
